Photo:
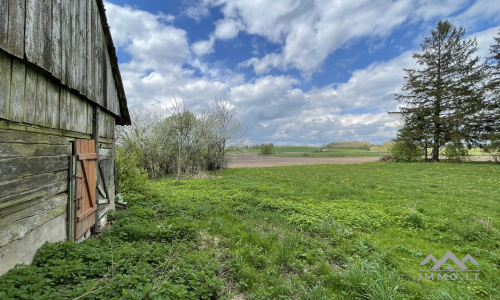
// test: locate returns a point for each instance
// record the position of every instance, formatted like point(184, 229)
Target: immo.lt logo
point(449, 272)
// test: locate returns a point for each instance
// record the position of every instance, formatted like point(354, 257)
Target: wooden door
point(85, 187)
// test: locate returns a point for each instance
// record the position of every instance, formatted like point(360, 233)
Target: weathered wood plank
point(37, 129)
point(17, 88)
point(46, 35)
point(77, 59)
point(65, 109)
point(56, 39)
point(4, 24)
point(99, 79)
point(72, 58)
point(73, 120)
point(41, 100)
point(88, 52)
point(19, 167)
point(65, 41)
point(16, 28)
point(5, 75)
point(28, 220)
point(33, 30)
point(53, 109)
point(83, 47)
point(30, 96)
point(24, 137)
point(12, 150)
point(46, 190)
point(30, 184)
point(101, 190)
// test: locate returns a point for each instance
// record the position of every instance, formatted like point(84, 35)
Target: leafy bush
point(456, 153)
point(267, 149)
point(129, 178)
point(305, 154)
point(405, 151)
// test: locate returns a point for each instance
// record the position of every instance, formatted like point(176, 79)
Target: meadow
point(299, 232)
point(301, 151)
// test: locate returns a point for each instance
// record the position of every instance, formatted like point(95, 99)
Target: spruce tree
point(491, 115)
point(443, 97)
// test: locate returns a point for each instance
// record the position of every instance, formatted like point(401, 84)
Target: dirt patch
point(250, 160)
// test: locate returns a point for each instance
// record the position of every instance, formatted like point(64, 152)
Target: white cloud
point(162, 62)
point(311, 30)
point(203, 47)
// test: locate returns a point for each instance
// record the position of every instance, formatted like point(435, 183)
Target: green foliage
point(456, 153)
point(444, 99)
point(128, 176)
point(267, 149)
point(405, 151)
point(299, 232)
point(349, 145)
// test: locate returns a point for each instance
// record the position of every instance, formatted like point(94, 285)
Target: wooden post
point(95, 137)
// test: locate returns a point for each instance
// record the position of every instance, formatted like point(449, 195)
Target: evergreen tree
point(444, 96)
point(491, 115)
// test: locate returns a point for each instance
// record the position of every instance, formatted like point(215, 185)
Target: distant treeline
point(349, 145)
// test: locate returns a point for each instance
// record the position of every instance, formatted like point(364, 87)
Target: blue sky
point(299, 72)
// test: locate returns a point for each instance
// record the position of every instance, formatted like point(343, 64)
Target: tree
point(228, 130)
point(491, 115)
point(443, 98)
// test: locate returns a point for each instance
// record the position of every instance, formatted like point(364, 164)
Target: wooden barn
point(61, 95)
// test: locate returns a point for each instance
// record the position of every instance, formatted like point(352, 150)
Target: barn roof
point(125, 116)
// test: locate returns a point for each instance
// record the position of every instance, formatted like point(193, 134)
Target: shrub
point(129, 177)
point(267, 149)
point(456, 153)
point(405, 151)
point(305, 154)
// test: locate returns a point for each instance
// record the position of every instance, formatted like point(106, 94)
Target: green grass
point(299, 232)
point(336, 153)
point(298, 151)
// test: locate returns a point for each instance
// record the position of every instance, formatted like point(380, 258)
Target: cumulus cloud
point(312, 30)
point(163, 64)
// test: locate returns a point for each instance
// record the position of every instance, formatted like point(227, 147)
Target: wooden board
point(16, 28)
point(17, 88)
point(45, 58)
point(26, 220)
point(83, 47)
point(53, 110)
point(30, 96)
point(30, 184)
point(5, 75)
point(65, 41)
point(56, 39)
point(88, 52)
point(10, 203)
point(4, 24)
point(41, 100)
point(65, 109)
point(11, 150)
point(99, 80)
point(19, 167)
point(44, 130)
point(25, 137)
point(33, 34)
point(72, 57)
point(85, 204)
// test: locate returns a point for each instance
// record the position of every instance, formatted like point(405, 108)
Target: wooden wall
point(65, 39)
point(29, 96)
point(34, 177)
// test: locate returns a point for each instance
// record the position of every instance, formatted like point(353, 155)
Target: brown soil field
point(250, 160)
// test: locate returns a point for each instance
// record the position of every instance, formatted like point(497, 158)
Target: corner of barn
point(61, 95)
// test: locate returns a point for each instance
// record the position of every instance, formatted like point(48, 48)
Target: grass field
point(298, 151)
point(300, 232)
